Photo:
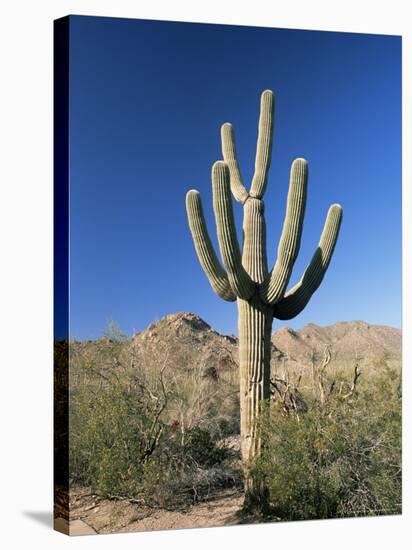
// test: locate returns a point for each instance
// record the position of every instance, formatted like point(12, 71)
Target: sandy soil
point(90, 513)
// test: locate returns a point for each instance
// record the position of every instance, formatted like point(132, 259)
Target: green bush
point(107, 443)
point(126, 441)
point(342, 458)
point(202, 448)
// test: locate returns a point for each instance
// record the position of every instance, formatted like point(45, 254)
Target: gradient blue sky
point(146, 103)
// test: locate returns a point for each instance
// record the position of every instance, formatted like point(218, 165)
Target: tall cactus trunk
point(255, 327)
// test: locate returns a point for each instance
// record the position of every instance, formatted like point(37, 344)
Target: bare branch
point(356, 375)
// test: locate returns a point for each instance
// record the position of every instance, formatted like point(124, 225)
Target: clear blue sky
point(146, 103)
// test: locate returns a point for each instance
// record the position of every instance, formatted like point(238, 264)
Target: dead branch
point(356, 376)
point(321, 374)
point(288, 395)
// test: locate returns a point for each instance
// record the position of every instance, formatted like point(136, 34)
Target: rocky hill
point(188, 342)
point(347, 341)
point(185, 341)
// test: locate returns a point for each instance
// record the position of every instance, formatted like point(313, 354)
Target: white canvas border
point(26, 259)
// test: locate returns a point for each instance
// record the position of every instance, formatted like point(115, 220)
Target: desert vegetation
point(152, 427)
point(339, 458)
point(146, 429)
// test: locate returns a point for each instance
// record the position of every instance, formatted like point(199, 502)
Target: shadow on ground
point(43, 518)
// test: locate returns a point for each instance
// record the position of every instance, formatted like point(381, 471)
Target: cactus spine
point(261, 295)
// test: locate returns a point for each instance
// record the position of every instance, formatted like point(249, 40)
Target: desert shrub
point(342, 458)
point(144, 432)
point(181, 476)
point(109, 438)
point(119, 448)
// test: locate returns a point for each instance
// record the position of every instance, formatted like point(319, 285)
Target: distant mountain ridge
point(192, 341)
point(346, 340)
point(185, 341)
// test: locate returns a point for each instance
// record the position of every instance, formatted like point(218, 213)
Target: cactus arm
point(264, 145)
point(275, 283)
point(297, 297)
point(205, 252)
point(230, 157)
point(239, 280)
point(263, 152)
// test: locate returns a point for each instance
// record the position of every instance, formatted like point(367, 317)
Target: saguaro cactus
point(261, 295)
